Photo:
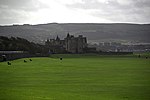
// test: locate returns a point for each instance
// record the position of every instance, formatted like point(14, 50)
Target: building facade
point(70, 44)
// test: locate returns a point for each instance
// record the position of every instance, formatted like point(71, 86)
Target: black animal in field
point(60, 58)
point(8, 63)
point(30, 59)
point(25, 61)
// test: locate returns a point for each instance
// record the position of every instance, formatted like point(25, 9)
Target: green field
point(76, 77)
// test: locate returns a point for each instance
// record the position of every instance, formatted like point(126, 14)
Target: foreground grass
point(76, 78)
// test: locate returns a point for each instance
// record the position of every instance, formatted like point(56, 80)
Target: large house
point(70, 44)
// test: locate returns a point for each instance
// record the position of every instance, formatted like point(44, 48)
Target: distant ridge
point(127, 32)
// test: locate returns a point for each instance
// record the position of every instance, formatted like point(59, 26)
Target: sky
point(74, 11)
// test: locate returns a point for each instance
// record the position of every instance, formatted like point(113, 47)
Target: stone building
point(70, 44)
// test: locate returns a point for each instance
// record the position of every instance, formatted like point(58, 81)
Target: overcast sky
point(74, 11)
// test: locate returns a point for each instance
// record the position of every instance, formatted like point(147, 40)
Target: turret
point(68, 35)
point(57, 38)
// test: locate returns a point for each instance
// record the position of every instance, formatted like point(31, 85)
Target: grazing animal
point(25, 61)
point(30, 59)
point(126, 97)
point(146, 57)
point(60, 58)
point(8, 63)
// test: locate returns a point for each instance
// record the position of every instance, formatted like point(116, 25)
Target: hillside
point(94, 32)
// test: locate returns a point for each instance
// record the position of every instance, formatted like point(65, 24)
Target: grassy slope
point(79, 78)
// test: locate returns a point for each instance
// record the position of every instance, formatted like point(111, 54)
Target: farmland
point(76, 77)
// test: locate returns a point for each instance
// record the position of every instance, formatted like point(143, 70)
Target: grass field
point(76, 78)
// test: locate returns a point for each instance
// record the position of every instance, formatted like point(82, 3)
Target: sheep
point(8, 63)
point(60, 58)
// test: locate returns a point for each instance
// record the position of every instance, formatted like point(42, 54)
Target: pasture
point(76, 78)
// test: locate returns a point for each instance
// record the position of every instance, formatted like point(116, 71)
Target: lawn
point(76, 77)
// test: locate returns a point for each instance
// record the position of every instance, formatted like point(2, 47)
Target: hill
point(94, 32)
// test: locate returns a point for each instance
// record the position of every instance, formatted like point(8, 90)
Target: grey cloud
point(136, 11)
point(29, 5)
point(10, 16)
point(142, 3)
point(14, 2)
point(14, 11)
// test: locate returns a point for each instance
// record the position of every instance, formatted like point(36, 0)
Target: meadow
point(76, 77)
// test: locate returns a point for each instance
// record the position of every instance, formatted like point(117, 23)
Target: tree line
point(21, 44)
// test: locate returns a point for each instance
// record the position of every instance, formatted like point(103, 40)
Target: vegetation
point(76, 77)
point(20, 44)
